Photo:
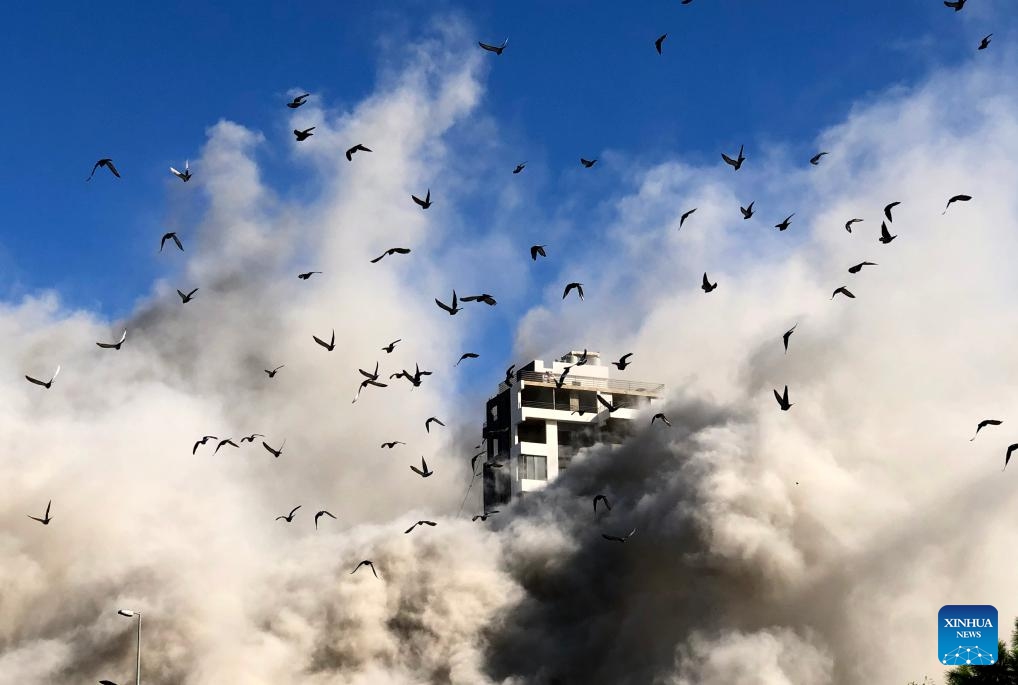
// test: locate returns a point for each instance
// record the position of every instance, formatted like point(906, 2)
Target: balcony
point(604, 385)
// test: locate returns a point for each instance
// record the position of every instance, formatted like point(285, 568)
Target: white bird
point(184, 175)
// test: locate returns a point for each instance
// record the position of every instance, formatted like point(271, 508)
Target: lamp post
point(132, 614)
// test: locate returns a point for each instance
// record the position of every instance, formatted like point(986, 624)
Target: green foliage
point(1004, 672)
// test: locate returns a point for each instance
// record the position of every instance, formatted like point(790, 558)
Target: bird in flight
point(391, 346)
point(424, 471)
point(509, 376)
point(46, 518)
point(320, 515)
point(885, 235)
point(202, 442)
point(275, 453)
point(562, 378)
point(519, 167)
point(170, 236)
point(420, 523)
point(45, 384)
point(783, 400)
point(888, 208)
point(116, 345)
point(604, 500)
point(735, 163)
point(184, 299)
point(662, 417)
point(272, 373)
point(356, 148)
point(427, 424)
point(621, 364)
point(588, 162)
point(251, 438)
point(390, 445)
point(537, 250)
point(858, 267)
point(331, 345)
point(657, 43)
point(227, 441)
point(747, 212)
point(184, 175)
point(307, 274)
point(843, 291)
point(956, 5)
point(298, 101)
point(484, 297)
point(787, 335)
point(466, 355)
point(848, 224)
point(956, 198)
point(426, 202)
point(606, 404)
point(573, 286)
point(105, 162)
point(390, 251)
point(455, 305)
point(815, 160)
point(616, 538)
point(497, 49)
point(682, 219)
point(707, 285)
point(1007, 457)
point(984, 423)
point(414, 378)
point(289, 517)
point(303, 135)
point(985, 42)
point(368, 563)
point(369, 379)
point(785, 224)
point(484, 516)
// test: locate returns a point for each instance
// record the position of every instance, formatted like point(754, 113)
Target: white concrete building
point(533, 427)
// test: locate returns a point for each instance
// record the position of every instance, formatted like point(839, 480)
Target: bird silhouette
point(848, 224)
point(858, 267)
point(956, 5)
point(320, 515)
point(537, 250)
point(785, 224)
point(682, 219)
point(519, 167)
point(331, 345)
point(391, 251)
point(105, 162)
point(184, 299)
point(588, 162)
point(451, 309)
point(420, 523)
point(562, 378)
point(888, 208)
point(1007, 457)
point(787, 335)
point(426, 202)
point(578, 287)
point(275, 453)
point(427, 424)
point(116, 345)
point(707, 285)
point(509, 376)
point(660, 416)
point(843, 291)
point(606, 404)
point(783, 400)
point(466, 355)
point(298, 101)
point(391, 346)
point(307, 274)
point(184, 175)
point(602, 499)
point(737, 162)
point(251, 438)
point(659, 41)
point(616, 538)
point(204, 440)
point(356, 148)
point(303, 135)
point(227, 441)
point(484, 516)
point(272, 373)
point(497, 49)
point(885, 235)
point(747, 212)
point(46, 518)
point(289, 517)
point(424, 471)
point(815, 160)
point(483, 297)
point(46, 384)
point(983, 424)
point(170, 236)
point(390, 445)
point(366, 562)
point(956, 198)
point(985, 42)
point(621, 364)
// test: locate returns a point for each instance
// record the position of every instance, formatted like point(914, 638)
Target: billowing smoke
point(809, 546)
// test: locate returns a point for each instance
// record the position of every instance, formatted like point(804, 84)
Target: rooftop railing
point(605, 385)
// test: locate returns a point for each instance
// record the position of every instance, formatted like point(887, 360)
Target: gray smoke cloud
point(813, 546)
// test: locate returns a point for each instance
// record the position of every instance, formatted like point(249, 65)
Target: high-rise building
point(535, 424)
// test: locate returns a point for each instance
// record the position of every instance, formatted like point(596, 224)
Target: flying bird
point(426, 202)
point(320, 515)
point(537, 250)
point(662, 417)
point(509, 376)
point(170, 236)
point(588, 162)
point(957, 198)
point(424, 471)
point(583, 358)
point(227, 441)
point(184, 299)
point(307, 274)
point(303, 135)
point(391, 251)
point(366, 562)
point(985, 42)
point(888, 208)
point(787, 335)
point(105, 162)
point(454, 308)
point(956, 5)
point(735, 163)
point(356, 148)
point(497, 49)
point(484, 516)
point(607, 405)
point(390, 445)
point(848, 224)
point(369, 379)
point(519, 167)
point(45, 384)
point(815, 160)
point(844, 291)
point(184, 175)
point(427, 424)
point(571, 286)
point(116, 345)
point(622, 363)
point(251, 438)
point(682, 219)
point(202, 442)
point(1007, 457)
point(885, 235)
point(46, 518)
point(274, 453)
point(783, 400)
point(615, 538)
point(786, 223)
point(289, 517)
point(484, 297)
point(604, 500)
point(331, 345)
point(272, 373)
point(707, 285)
point(657, 43)
point(391, 346)
point(984, 423)
point(298, 101)
point(858, 267)
point(562, 378)
point(420, 523)
point(747, 212)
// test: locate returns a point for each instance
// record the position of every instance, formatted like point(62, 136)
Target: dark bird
point(105, 162)
point(420, 523)
point(307, 274)
point(356, 148)
point(562, 378)
point(888, 208)
point(116, 345)
point(273, 452)
point(984, 423)
point(289, 517)
point(787, 335)
point(107, 682)
point(1007, 457)
point(583, 358)
point(956, 5)
point(390, 251)
point(184, 175)
point(615, 538)
point(682, 219)
point(251, 438)
point(848, 224)
point(414, 378)
point(844, 291)
point(786, 223)
point(45, 519)
point(391, 346)
point(662, 417)
point(272, 373)
point(885, 235)
point(467, 355)
point(519, 167)
point(604, 500)
point(588, 162)
point(303, 135)
point(170, 236)
point(497, 49)
point(657, 43)
point(606, 404)
point(390, 445)
point(537, 250)
point(985, 42)
point(815, 160)
point(202, 442)
point(509, 376)
point(331, 345)
point(484, 516)
point(622, 363)
point(735, 163)
point(424, 471)
point(956, 198)
point(298, 101)
point(45, 384)
point(366, 562)
point(369, 379)
point(427, 424)
point(426, 202)
point(455, 305)
point(707, 285)
point(484, 297)
point(783, 400)
point(320, 515)
point(747, 212)
point(184, 299)
point(571, 286)
point(858, 267)
point(228, 441)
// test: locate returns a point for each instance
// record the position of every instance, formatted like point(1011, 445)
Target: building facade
point(534, 426)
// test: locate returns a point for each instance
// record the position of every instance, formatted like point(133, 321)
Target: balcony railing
point(605, 385)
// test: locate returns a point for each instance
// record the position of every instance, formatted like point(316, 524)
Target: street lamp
point(132, 614)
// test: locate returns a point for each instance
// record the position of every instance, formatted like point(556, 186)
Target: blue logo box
point(967, 635)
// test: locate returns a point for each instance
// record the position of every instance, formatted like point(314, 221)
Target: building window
point(494, 413)
point(533, 467)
